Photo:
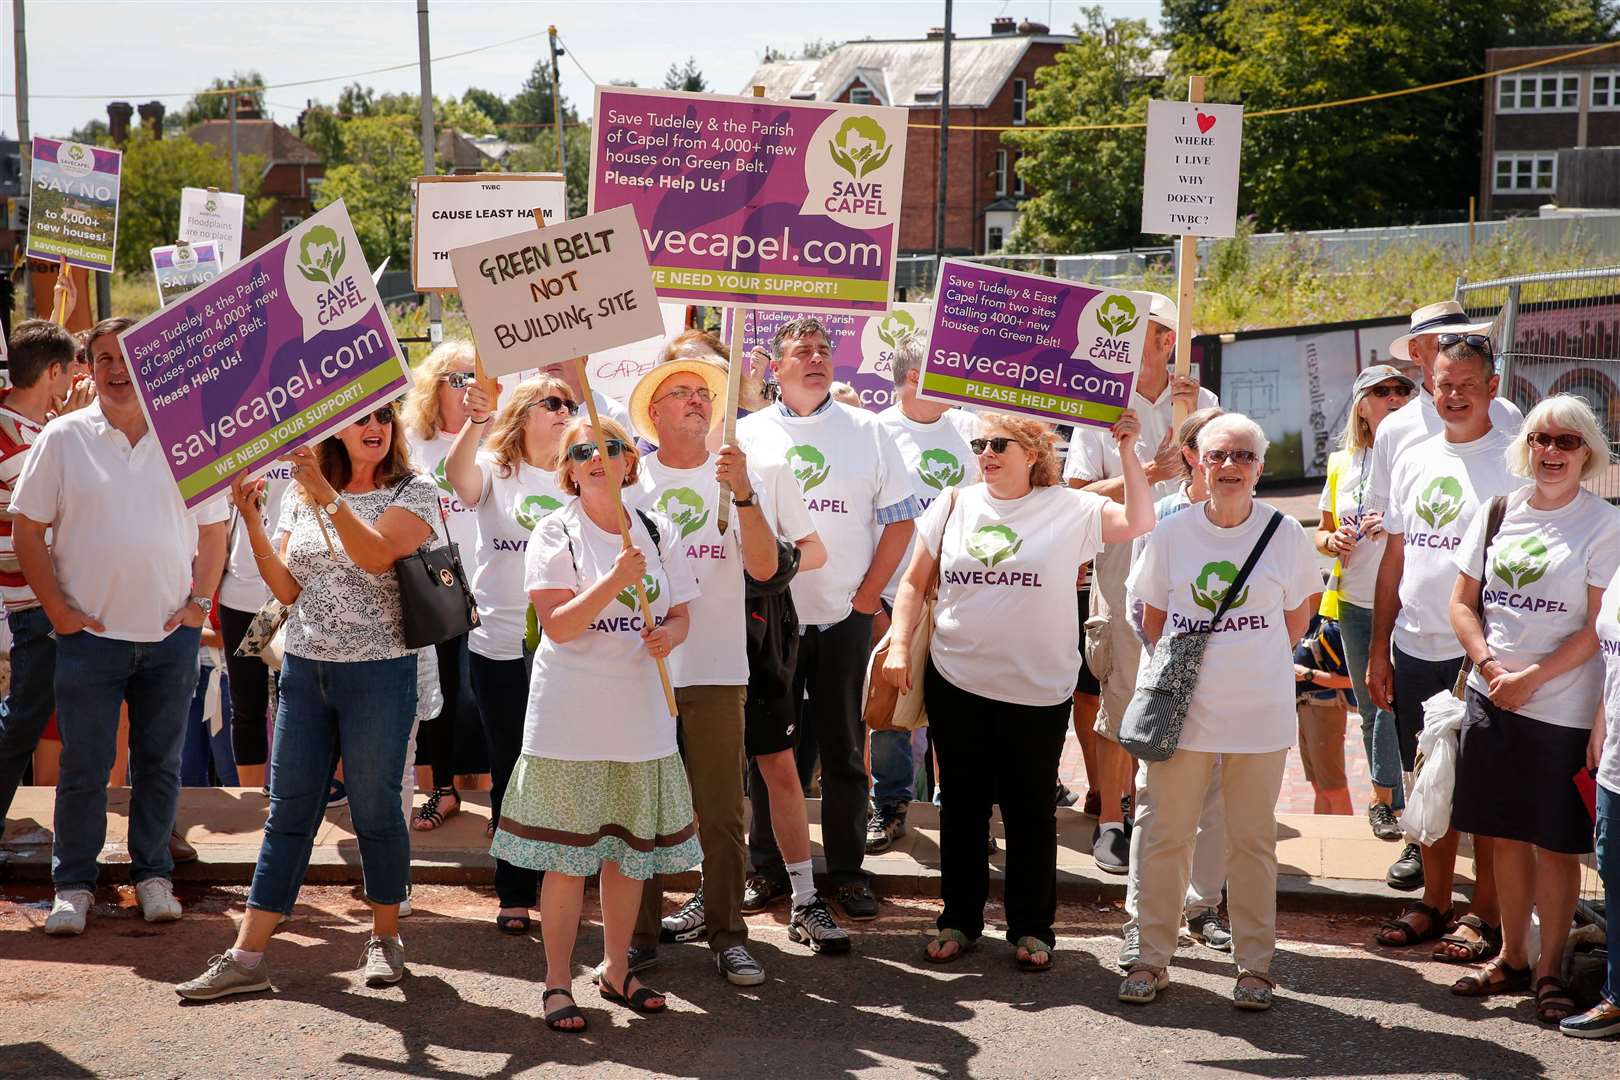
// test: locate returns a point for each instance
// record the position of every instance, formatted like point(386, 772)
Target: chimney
point(1003, 25)
point(246, 109)
point(152, 118)
point(1031, 28)
point(936, 33)
point(118, 114)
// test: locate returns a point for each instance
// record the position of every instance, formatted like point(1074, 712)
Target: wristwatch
point(750, 501)
point(205, 604)
point(331, 508)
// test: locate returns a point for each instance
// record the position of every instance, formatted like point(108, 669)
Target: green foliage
point(532, 107)
point(154, 171)
point(94, 132)
point(381, 158)
point(685, 77)
point(540, 155)
point(815, 49)
point(218, 106)
point(489, 103)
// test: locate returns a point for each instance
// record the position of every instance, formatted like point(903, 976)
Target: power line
point(569, 52)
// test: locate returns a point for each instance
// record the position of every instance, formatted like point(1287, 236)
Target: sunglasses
point(383, 416)
point(999, 444)
point(460, 380)
point(1476, 341)
point(553, 403)
point(1567, 443)
point(1400, 390)
point(1218, 458)
point(687, 393)
point(584, 451)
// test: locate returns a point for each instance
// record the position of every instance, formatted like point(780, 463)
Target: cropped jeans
point(1378, 734)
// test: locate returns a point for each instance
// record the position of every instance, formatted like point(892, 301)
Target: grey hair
point(1461, 350)
point(803, 326)
point(908, 357)
point(1235, 424)
point(1561, 411)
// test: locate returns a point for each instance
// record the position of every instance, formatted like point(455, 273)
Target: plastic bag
point(1428, 807)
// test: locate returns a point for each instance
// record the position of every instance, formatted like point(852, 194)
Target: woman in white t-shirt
point(1003, 662)
point(1241, 714)
point(600, 787)
point(511, 486)
point(1535, 688)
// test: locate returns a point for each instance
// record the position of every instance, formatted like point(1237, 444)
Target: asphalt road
point(101, 1005)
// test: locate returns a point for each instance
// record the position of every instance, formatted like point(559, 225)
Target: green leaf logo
point(529, 510)
point(993, 544)
point(939, 469)
point(211, 205)
point(1522, 561)
point(1210, 586)
point(321, 253)
point(860, 147)
point(809, 466)
point(442, 480)
point(894, 326)
point(1440, 502)
point(627, 596)
point(1118, 316)
point(685, 508)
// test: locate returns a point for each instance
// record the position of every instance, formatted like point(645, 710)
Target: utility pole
point(944, 142)
point(435, 304)
point(236, 180)
point(25, 151)
point(556, 104)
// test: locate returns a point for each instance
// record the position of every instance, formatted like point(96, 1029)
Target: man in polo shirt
point(126, 584)
point(852, 476)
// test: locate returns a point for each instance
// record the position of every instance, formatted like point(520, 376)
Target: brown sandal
point(1459, 948)
point(1496, 977)
point(1553, 1000)
point(1398, 933)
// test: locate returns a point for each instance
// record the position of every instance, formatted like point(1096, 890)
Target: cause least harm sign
point(550, 294)
point(747, 201)
point(863, 346)
point(74, 210)
point(1190, 171)
point(283, 348)
point(1058, 350)
point(455, 211)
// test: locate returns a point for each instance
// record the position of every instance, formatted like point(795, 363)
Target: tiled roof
point(264, 138)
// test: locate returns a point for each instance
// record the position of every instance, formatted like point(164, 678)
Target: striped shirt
point(17, 434)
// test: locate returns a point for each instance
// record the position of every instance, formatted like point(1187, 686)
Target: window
point(289, 222)
point(1001, 172)
point(1017, 180)
point(1538, 93)
point(860, 94)
point(993, 238)
point(1606, 89)
point(1019, 100)
point(1525, 174)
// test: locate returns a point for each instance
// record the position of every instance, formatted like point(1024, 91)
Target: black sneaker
point(639, 960)
point(813, 925)
point(1065, 797)
point(739, 967)
point(1111, 848)
point(1093, 803)
point(685, 923)
point(886, 825)
point(760, 891)
point(1127, 807)
point(858, 901)
point(1406, 872)
point(1383, 821)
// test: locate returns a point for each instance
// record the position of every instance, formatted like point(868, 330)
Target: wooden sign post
point(1187, 275)
point(728, 431)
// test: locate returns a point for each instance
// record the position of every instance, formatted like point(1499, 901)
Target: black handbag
point(434, 599)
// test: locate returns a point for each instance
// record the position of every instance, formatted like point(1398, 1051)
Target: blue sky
point(167, 49)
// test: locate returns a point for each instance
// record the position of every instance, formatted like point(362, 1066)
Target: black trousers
point(831, 667)
point(250, 691)
point(993, 751)
point(501, 688)
point(451, 743)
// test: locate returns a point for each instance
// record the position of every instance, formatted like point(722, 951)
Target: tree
point(489, 103)
point(531, 108)
point(815, 49)
point(685, 77)
point(541, 156)
point(217, 106)
point(154, 171)
point(321, 128)
point(381, 159)
point(93, 132)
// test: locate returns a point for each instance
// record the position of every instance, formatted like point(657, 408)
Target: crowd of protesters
point(259, 641)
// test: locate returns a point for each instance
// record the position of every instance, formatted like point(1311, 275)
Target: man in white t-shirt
point(1093, 464)
point(127, 584)
point(851, 476)
point(1435, 489)
point(933, 441)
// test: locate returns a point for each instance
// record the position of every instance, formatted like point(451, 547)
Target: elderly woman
point(1241, 715)
point(512, 486)
point(1005, 553)
point(599, 790)
point(435, 412)
point(1525, 609)
point(1353, 535)
point(347, 679)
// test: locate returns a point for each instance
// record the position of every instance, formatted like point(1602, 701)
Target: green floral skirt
point(572, 816)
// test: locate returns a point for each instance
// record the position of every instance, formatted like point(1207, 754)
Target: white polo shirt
point(123, 540)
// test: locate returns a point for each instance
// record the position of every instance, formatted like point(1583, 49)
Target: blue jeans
point(366, 707)
point(893, 770)
point(1608, 860)
point(27, 709)
point(1377, 725)
point(94, 676)
point(206, 758)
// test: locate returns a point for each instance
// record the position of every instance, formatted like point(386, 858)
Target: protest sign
point(74, 210)
point(616, 371)
point(863, 346)
point(211, 214)
point(1190, 175)
point(1059, 350)
point(563, 291)
point(285, 347)
point(179, 268)
point(748, 201)
point(455, 211)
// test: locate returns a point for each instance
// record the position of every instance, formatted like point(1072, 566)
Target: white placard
point(616, 371)
point(216, 216)
point(457, 211)
point(1190, 178)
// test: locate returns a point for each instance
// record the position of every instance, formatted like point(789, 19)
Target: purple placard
point(73, 203)
point(1058, 350)
point(862, 345)
point(748, 201)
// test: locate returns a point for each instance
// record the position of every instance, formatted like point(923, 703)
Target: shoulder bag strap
point(1495, 511)
point(933, 581)
point(1243, 575)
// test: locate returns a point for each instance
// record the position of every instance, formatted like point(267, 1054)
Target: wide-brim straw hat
point(1446, 317)
point(640, 404)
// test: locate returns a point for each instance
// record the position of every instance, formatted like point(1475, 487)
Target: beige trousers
point(1249, 785)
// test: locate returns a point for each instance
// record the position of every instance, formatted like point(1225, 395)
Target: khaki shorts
point(1321, 744)
point(1113, 651)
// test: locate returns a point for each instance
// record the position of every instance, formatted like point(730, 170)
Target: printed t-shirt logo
point(860, 147)
point(809, 466)
point(1440, 502)
point(993, 544)
point(1209, 588)
point(1522, 561)
point(894, 326)
point(940, 469)
point(1118, 316)
point(442, 480)
point(527, 510)
point(685, 508)
point(320, 253)
point(627, 596)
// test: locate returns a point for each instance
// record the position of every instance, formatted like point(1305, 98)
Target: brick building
point(292, 171)
point(1550, 133)
point(991, 77)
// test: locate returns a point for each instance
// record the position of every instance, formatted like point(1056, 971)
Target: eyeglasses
point(553, 403)
point(1218, 458)
point(1567, 443)
point(460, 380)
point(383, 416)
point(999, 444)
point(1475, 341)
point(584, 451)
point(687, 393)
point(1384, 390)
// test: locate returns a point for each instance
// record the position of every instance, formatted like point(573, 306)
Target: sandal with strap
point(1253, 998)
point(1496, 977)
point(428, 817)
point(1143, 985)
point(513, 924)
point(637, 1001)
point(567, 1012)
point(949, 937)
point(1398, 933)
point(1031, 946)
point(1554, 1003)
point(1459, 948)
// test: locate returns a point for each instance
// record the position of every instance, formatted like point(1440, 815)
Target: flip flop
point(949, 937)
point(1031, 946)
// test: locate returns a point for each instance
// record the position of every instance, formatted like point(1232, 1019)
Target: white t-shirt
point(1360, 568)
point(597, 697)
point(242, 588)
point(1410, 425)
point(1004, 626)
point(1608, 630)
point(937, 458)
point(1435, 490)
point(512, 507)
point(460, 521)
point(1244, 700)
point(122, 538)
point(1541, 563)
point(716, 651)
point(1094, 455)
point(847, 468)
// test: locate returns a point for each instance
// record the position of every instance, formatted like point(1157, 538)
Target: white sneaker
point(157, 900)
point(405, 904)
point(68, 912)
